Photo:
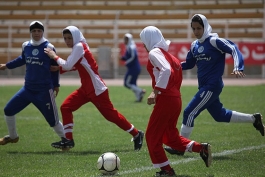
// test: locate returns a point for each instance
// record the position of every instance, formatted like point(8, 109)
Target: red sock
point(134, 132)
point(196, 147)
point(166, 168)
point(69, 135)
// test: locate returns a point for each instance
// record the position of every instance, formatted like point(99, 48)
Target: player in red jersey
point(166, 73)
point(93, 89)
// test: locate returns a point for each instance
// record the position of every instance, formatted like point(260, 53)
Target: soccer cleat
point(173, 151)
point(258, 123)
point(166, 173)
point(6, 139)
point(64, 144)
point(138, 141)
point(141, 96)
point(206, 154)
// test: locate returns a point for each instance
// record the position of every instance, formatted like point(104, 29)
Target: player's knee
point(127, 85)
point(8, 111)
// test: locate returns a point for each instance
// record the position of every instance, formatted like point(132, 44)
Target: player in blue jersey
point(208, 54)
point(133, 67)
point(40, 87)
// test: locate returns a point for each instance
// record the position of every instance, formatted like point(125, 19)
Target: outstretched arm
point(228, 46)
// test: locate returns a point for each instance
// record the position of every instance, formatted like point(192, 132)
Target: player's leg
point(45, 102)
point(221, 114)
point(130, 82)
point(106, 108)
point(17, 103)
point(202, 99)
point(155, 133)
point(72, 103)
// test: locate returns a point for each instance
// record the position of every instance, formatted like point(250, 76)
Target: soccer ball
point(108, 163)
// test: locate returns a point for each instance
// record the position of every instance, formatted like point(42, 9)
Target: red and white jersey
point(82, 60)
point(165, 71)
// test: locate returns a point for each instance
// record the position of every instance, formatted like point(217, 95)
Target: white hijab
point(207, 29)
point(32, 41)
point(76, 34)
point(152, 37)
point(131, 43)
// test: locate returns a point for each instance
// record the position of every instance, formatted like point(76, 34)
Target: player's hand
point(50, 53)
point(152, 98)
point(54, 68)
point(56, 91)
point(2, 66)
point(238, 74)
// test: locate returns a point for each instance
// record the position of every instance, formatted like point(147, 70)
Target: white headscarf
point(207, 29)
point(32, 41)
point(131, 43)
point(152, 37)
point(76, 34)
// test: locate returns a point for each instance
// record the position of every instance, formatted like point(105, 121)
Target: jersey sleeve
point(131, 57)
point(55, 75)
point(17, 62)
point(77, 53)
point(228, 46)
point(190, 60)
point(162, 68)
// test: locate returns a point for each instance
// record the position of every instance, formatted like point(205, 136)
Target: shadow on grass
point(193, 176)
point(219, 158)
point(70, 152)
point(54, 152)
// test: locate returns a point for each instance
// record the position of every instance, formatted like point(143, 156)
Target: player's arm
point(189, 63)
point(72, 59)
point(163, 71)
point(54, 74)
point(228, 46)
point(131, 56)
point(19, 61)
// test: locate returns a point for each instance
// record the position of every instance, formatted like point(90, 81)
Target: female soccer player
point(133, 67)
point(166, 73)
point(40, 84)
point(93, 89)
point(208, 53)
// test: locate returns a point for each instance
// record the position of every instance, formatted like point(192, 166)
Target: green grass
point(238, 149)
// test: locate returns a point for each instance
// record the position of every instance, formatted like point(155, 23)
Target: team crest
point(200, 49)
point(35, 52)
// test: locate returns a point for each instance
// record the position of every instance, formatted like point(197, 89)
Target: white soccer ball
point(108, 163)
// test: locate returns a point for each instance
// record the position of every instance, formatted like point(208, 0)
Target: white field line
point(224, 153)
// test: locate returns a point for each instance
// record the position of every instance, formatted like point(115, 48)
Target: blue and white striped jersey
point(209, 57)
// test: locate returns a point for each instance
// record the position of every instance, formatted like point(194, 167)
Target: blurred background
point(104, 23)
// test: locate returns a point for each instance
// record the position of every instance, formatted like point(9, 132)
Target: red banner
point(253, 53)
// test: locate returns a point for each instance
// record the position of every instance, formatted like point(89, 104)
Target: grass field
point(238, 149)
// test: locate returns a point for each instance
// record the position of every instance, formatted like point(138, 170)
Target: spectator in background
point(39, 87)
point(166, 73)
point(208, 54)
point(93, 89)
point(133, 67)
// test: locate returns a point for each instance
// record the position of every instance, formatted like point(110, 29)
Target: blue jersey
point(38, 75)
point(131, 59)
point(209, 57)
